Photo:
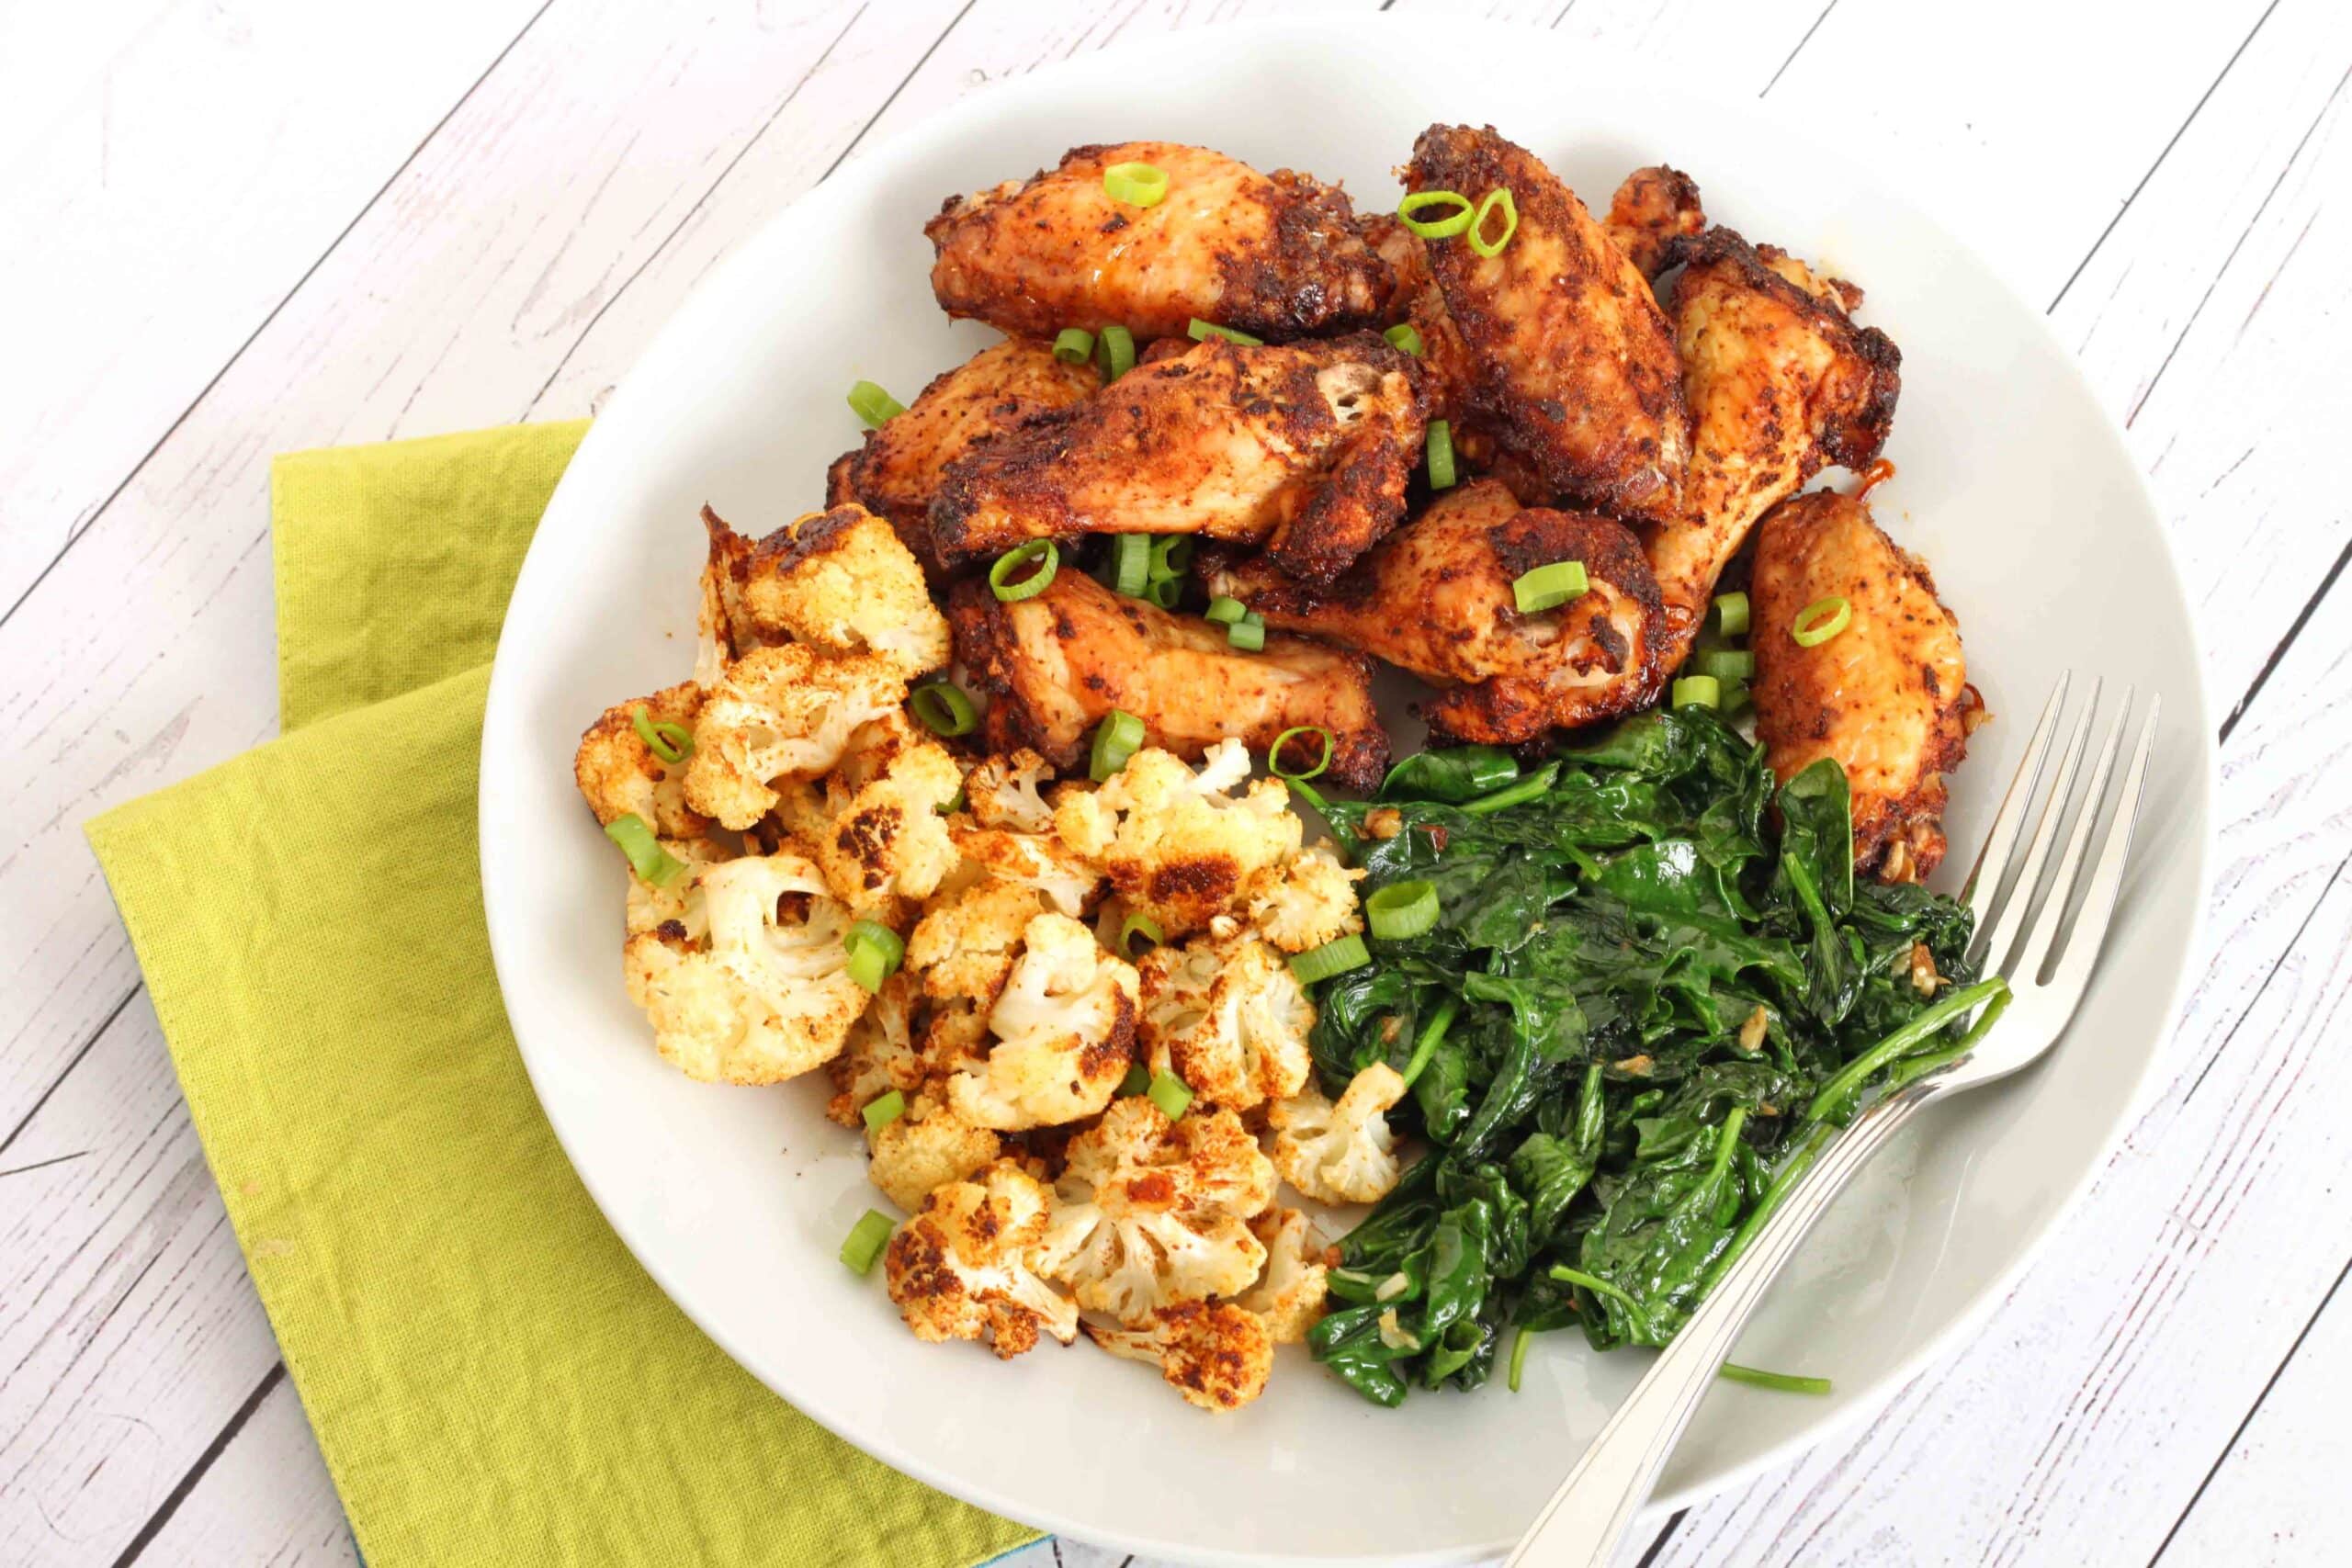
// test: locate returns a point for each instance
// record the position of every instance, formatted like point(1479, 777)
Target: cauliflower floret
point(1288, 1298)
point(1004, 793)
point(926, 1148)
point(883, 837)
point(621, 776)
point(965, 941)
point(1314, 903)
point(1228, 1018)
point(780, 711)
point(1147, 1214)
point(1041, 861)
point(1065, 1028)
point(880, 1054)
point(841, 582)
point(1215, 1354)
point(1178, 847)
point(724, 623)
point(962, 1267)
point(1343, 1153)
point(766, 994)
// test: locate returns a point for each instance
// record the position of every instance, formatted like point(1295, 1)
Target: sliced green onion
point(1403, 336)
point(1549, 587)
point(1519, 1356)
point(1274, 752)
point(1444, 228)
point(1138, 1079)
point(1786, 1382)
point(1115, 351)
point(1727, 664)
point(944, 708)
point(1136, 926)
point(1170, 1093)
point(1402, 909)
point(1441, 453)
point(1116, 738)
point(867, 1240)
point(1334, 957)
point(1737, 696)
point(1499, 196)
point(1172, 556)
point(1137, 185)
point(874, 406)
point(1731, 614)
point(1698, 692)
point(1165, 591)
point(953, 804)
point(880, 1112)
point(671, 742)
point(645, 856)
point(1007, 565)
point(875, 951)
point(1201, 332)
point(1130, 563)
point(1225, 611)
point(1073, 345)
point(1821, 620)
point(1248, 634)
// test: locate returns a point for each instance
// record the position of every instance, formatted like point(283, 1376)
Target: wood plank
point(169, 177)
point(267, 1499)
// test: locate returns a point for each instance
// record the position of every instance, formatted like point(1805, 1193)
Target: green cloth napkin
point(491, 1377)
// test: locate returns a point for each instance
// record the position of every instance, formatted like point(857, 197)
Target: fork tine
point(2083, 943)
point(2042, 938)
point(1996, 950)
point(1992, 861)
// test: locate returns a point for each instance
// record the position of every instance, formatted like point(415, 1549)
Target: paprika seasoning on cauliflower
point(1227, 1017)
point(1288, 1298)
point(1215, 1354)
point(620, 774)
point(1178, 845)
point(1343, 1153)
point(961, 1269)
point(1315, 902)
point(1063, 1030)
point(924, 1148)
point(840, 581)
point(786, 711)
point(882, 837)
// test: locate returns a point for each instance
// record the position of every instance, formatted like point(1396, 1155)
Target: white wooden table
point(229, 228)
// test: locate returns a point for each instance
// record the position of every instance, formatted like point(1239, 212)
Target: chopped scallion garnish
point(671, 742)
point(1499, 197)
point(875, 951)
point(646, 856)
point(1114, 352)
point(1457, 217)
point(874, 406)
point(1136, 926)
point(1073, 345)
point(944, 708)
point(867, 1240)
point(1731, 614)
point(1401, 910)
point(1698, 692)
point(1130, 563)
point(1116, 738)
point(1201, 332)
point(1441, 453)
point(1170, 1093)
point(1549, 587)
point(1727, 664)
point(1137, 185)
point(1138, 1079)
point(1248, 634)
point(1403, 336)
point(882, 1109)
point(1170, 556)
point(1821, 620)
point(1009, 565)
point(1275, 754)
point(1335, 957)
point(1225, 611)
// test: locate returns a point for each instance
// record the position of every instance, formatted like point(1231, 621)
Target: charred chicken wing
point(1435, 598)
point(896, 471)
point(1653, 208)
point(1277, 255)
point(1570, 363)
point(1888, 696)
point(1053, 665)
point(1306, 447)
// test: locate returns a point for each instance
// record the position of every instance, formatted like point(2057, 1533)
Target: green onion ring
point(1248, 634)
point(1549, 587)
point(1444, 228)
point(646, 856)
point(874, 406)
point(882, 1109)
point(1274, 752)
point(875, 952)
point(1402, 910)
point(1499, 196)
point(1727, 665)
point(1201, 332)
point(1138, 1079)
point(1001, 575)
point(1731, 614)
point(1170, 1093)
point(866, 1239)
point(1130, 563)
point(1165, 591)
point(1114, 352)
point(1821, 620)
point(944, 708)
point(1403, 336)
point(1441, 453)
point(1170, 556)
point(1698, 692)
point(1116, 738)
point(1225, 611)
point(672, 743)
point(1137, 185)
point(1136, 926)
point(1334, 957)
point(1074, 345)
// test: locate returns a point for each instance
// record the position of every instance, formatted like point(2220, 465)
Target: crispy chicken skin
point(1888, 697)
point(1435, 598)
point(1652, 209)
point(1780, 381)
point(1052, 666)
point(1571, 365)
point(1273, 254)
point(896, 471)
point(1306, 447)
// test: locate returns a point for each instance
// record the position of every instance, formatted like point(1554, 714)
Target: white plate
point(2012, 482)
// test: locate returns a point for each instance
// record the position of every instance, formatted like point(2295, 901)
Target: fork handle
point(1579, 1528)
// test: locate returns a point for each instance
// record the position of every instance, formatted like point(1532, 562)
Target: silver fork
point(2020, 901)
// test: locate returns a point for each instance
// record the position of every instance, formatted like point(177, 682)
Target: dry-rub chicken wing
point(896, 471)
point(1274, 254)
point(1888, 696)
point(1435, 598)
point(1051, 666)
point(1779, 381)
point(1652, 209)
point(1570, 363)
point(1305, 447)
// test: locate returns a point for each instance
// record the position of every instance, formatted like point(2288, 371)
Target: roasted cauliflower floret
point(1288, 1297)
point(925, 1148)
point(880, 1054)
point(962, 1269)
point(1147, 1214)
point(1003, 791)
point(883, 837)
point(1343, 1153)
point(724, 623)
point(1178, 845)
point(965, 941)
point(1215, 1354)
point(1041, 861)
point(1064, 1033)
point(780, 712)
point(622, 776)
point(1228, 1018)
point(766, 994)
point(1314, 903)
point(841, 582)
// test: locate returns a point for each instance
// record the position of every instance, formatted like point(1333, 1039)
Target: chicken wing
point(896, 471)
point(1652, 208)
point(1779, 381)
point(1051, 666)
point(1305, 447)
point(1435, 598)
point(1570, 363)
point(1273, 254)
point(1888, 696)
